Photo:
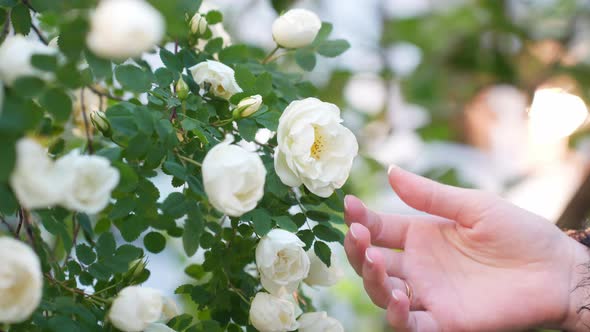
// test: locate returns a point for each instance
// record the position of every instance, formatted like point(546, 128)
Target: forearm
point(578, 311)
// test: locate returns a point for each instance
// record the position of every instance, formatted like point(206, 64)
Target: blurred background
point(482, 94)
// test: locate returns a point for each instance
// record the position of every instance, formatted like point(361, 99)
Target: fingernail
point(394, 297)
point(345, 205)
point(369, 259)
point(391, 168)
point(354, 236)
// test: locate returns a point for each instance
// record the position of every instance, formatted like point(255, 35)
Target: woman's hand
point(474, 262)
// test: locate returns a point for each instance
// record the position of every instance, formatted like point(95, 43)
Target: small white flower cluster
point(78, 182)
point(142, 309)
point(283, 264)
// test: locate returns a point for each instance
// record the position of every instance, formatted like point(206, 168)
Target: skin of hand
point(474, 262)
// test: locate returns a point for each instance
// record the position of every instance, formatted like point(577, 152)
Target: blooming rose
point(89, 180)
point(272, 314)
point(219, 76)
point(281, 260)
point(248, 106)
point(198, 24)
point(135, 308)
point(120, 29)
point(318, 322)
point(233, 178)
point(320, 274)
point(15, 58)
point(158, 327)
point(313, 147)
point(21, 281)
point(296, 28)
point(34, 179)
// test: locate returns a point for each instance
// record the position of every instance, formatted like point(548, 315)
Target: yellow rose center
point(318, 144)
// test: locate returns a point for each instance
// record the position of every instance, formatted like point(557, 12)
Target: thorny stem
point(93, 298)
point(194, 162)
point(86, 125)
point(268, 58)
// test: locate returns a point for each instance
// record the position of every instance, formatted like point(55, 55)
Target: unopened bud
point(182, 89)
point(100, 122)
point(247, 106)
point(198, 24)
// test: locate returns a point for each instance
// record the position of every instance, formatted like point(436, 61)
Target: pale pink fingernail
point(352, 232)
point(369, 259)
point(345, 205)
point(394, 297)
point(391, 168)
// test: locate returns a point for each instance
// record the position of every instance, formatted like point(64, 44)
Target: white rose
point(281, 260)
point(318, 322)
point(198, 24)
point(218, 75)
point(313, 147)
point(233, 178)
point(248, 106)
point(34, 180)
point(320, 274)
point(135, 308)
point(296, 28)
point(15, 58)
point(158, 327)
point(21, 281)
point(89, 180)
point(121, 29)
point(272, 314)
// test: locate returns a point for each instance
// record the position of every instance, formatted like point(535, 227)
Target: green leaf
point(132, 227)
point(193, 229)
point(128, 178)
point(333, 48)
point(85, 254)
point(133, 78)
point(326, 233)
point(101, 68)
point(247, 128)
point(195, 271)
point(58, 103)
point(174, 13)
point(245, 79)
point(105, 246)
point(214, 17)
point(21, 19)
point(8, 157)
point(318, 215)
point(28, 86)
point(234, 54)
point(214, 45)
point(264, 84)
point(286, 223)
point(72, 38)
point(261, 221)
point(322, 250)
point(175, 205)
point(164, 76)
point(170, 60)
point(123, 207)
point(154, 242)
point(323, 34)
point(305, 58)
point(44, 62)
point(175, 169)
point(8, 203)
point(307, 237)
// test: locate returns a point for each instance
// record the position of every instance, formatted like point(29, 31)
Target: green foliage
point(155, 133)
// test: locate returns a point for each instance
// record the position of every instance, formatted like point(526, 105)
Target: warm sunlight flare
point(556, 114)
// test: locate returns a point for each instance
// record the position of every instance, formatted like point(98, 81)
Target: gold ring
point(409, 292)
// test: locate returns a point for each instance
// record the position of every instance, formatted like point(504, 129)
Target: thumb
point(464, 206)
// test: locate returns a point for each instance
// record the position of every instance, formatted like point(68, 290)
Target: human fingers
point(356, 242)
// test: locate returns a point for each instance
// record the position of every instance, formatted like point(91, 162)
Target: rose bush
point(87, 125)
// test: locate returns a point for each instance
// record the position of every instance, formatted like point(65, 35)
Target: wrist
point(579, 289)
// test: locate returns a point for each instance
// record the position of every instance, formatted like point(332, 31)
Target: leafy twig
point(194, 162)
point(268, 58)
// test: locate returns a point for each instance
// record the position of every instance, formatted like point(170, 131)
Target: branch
point(105, 94)
point(86, 125)
point(39, 34)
